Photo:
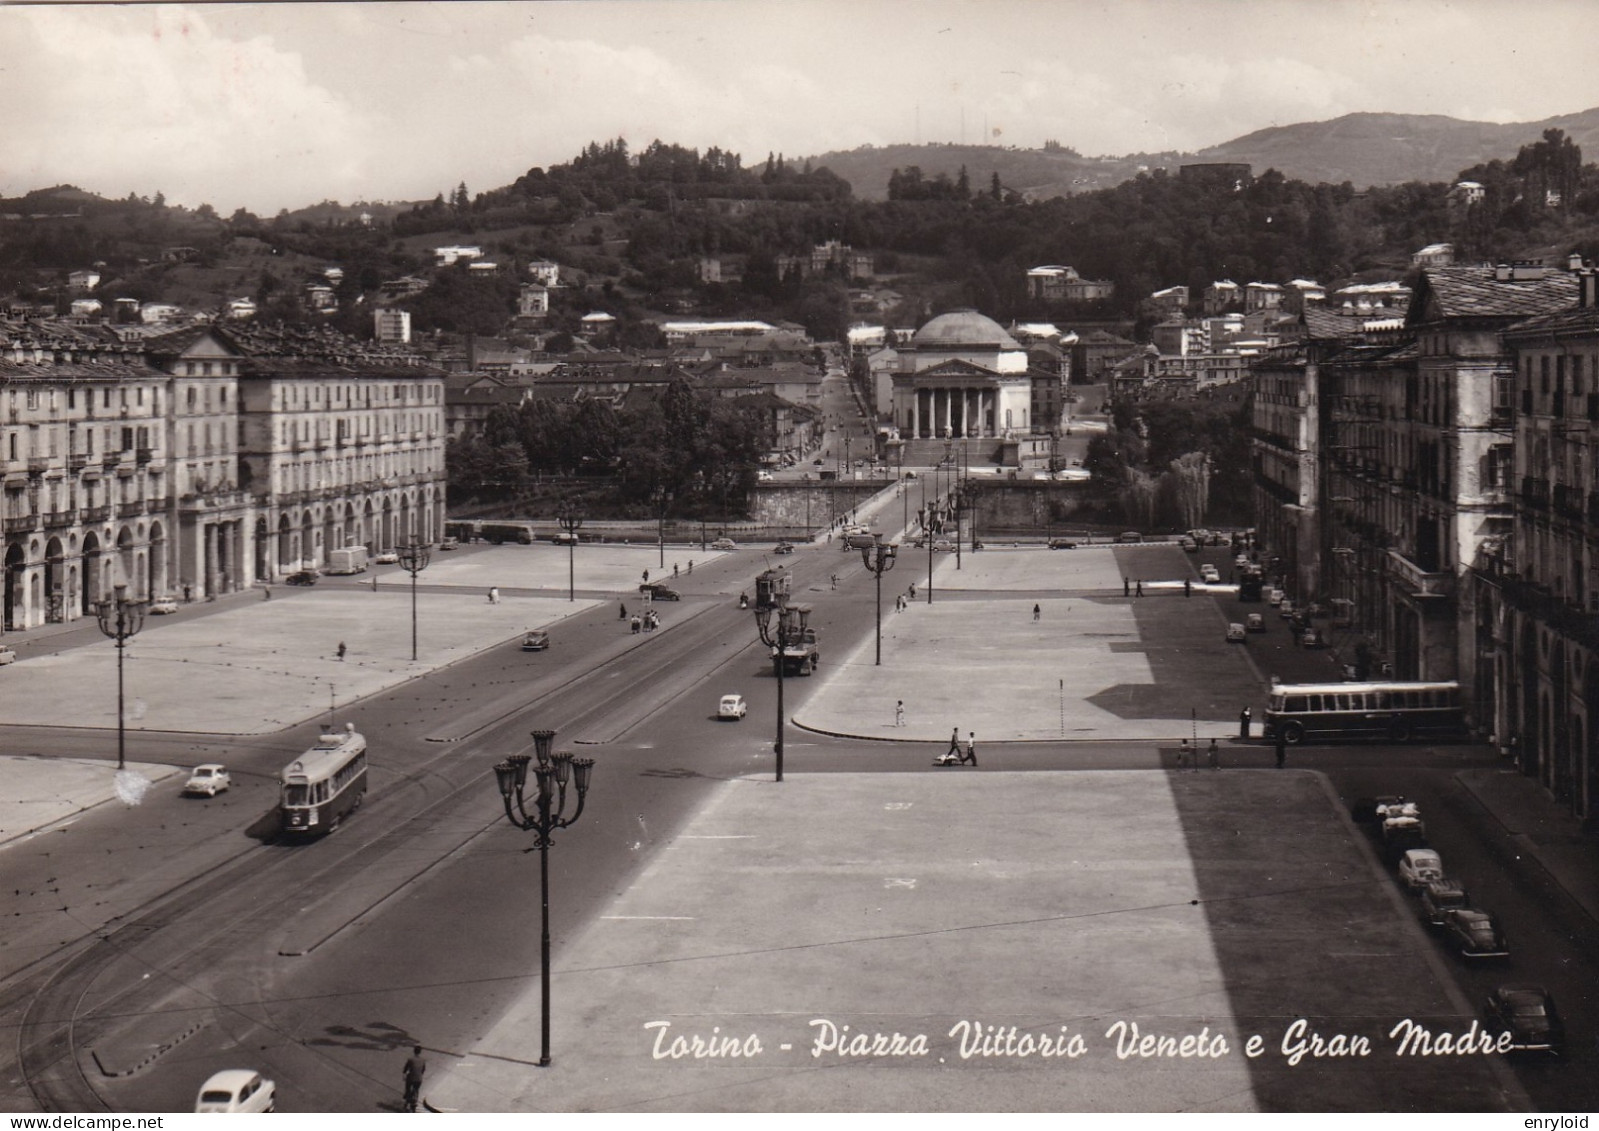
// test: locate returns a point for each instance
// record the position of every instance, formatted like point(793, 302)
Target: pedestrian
point(1214, 753)
point(623, 606)
point(1188, 588)
point(971, 748)
point(674, 569)
point(1037, 612)
point(899, 713)
point(1139, 591)
point(1244, 717)
point(341, 650)
point(1184, 755)
point(374, 583)
point(494, 595)
point(1127, 587)
point(834, 580)
point(416, 1067)
point(954, 750)
point(913, 591)
point(266, 592)
point(1281, 739)
point(646, 577)
point(188, 593)
point(636, 624)
point(691, 567)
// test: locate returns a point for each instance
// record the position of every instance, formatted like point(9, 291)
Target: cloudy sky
point(277, 105)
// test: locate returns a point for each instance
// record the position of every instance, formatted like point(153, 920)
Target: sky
point(279, 105)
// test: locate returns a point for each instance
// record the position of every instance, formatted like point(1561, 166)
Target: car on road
point(1235, 634)
point(724, 544)
point(783, 548)
point(658, 592)
point(1254, 622)
point(1210, 574)
point(237, 1089)
point(1188, 544)
point(1062, 544)
point(1129, 536)
point(1441, 897)
point(1274, 596)
point(162, 606)
point(859, 540)
point(387, 557)
point(301, 577)
point(943, 546)
point(1529, 1015)
point(1285, 609)
point(209, 779)
point(7, 655)
point(450, 544)
point(1476, 933)
point(1419, 866)
point(732, 707)
point(1313, 638)
point(535, 641)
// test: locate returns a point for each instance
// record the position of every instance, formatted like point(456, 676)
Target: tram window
point(1294, 702)
point(1384, 701)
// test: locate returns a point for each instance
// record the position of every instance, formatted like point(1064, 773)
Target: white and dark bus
point(324, 784)
point(1389, 711)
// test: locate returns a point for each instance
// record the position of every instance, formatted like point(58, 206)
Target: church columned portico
point(957, 412)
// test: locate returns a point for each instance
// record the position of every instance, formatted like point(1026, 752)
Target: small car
point(732, 707)
point(564, 538)
point(7, 655)
point(859, 540)
point(1062, 544)
point(237, 1089)
point(209, 779)
point(1441, 897)
point(943, 546)
point(1476, 933)
point(783, 548)
point(450, 544)
point(387, 557)
point(1529, 1015)
point(1285, 609)
point(724, 544)
point(1419, 866)
point(1274, 596)
point(657, 592)
point(1210, 574)
point(1129, 536)
point(1254, 622)
point(1235, 633)
point(161, 606)
point(1313, 638)
point(1188, 544)
point(301, 577)
point(535, 641)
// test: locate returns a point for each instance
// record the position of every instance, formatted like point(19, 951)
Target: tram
point(324, 784)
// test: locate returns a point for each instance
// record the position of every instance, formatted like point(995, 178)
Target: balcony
point(77, 461)
point(38, 466)
point(1418, 582)
point(97, 514)
point(61, 518)
point(144, 455)
point(21, 523)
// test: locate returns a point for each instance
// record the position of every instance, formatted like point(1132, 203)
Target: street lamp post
point(879, 558)
point(414, 558)
point(570, 522)
point(779, 624)
point(551, 773)
point(120, 619)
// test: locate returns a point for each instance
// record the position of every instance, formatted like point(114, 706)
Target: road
point(181, 926)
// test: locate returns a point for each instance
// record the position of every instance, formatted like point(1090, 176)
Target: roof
point(1478, 292)
point(964, 328)
point(1576, 320)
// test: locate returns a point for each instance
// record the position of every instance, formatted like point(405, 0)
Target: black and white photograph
point(848, 556)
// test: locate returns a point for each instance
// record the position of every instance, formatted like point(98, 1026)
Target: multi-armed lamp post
point(414, 558)
point(120, 619)
point(552, 773)
point(879, 558)
point(779, 624)
point(570, 521)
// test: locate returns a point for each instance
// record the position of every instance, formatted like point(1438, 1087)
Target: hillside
point(1364, 149)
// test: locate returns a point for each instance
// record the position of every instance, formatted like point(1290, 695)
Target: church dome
point(964, 328)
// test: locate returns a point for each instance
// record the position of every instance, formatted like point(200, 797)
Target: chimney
point(1588, 287)
point(1574, 262)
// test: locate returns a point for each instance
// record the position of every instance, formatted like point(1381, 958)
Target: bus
point(325, 783)
point(1395, 712)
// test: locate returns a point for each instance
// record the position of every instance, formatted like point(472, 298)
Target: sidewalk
point(1542, 829)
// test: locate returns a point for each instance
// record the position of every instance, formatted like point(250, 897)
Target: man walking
point(1243, 722)
point(954, 751)
point(899, 713)
point(970, 757)
point(1138, 591)
point(416, 1067)
point(341, 651)
point(1037, 612)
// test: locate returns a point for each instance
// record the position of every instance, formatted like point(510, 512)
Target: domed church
point(962, 375)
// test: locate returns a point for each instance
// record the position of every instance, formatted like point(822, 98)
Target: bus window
point(1294, 703)
point(1384, 700)
point(1313, 702)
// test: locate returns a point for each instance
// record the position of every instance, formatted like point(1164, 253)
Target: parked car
point(564, 538)
point(1235, 634)
point(1440, 897)
point(1062, 544)
point(1419, 866)
point(301, 577)
point(783, 548)
point(1254, 622)
point(7, 655)
point(535, 641)
point(1129, 536)
point(162, 606)
point(1313, 638)
point(1285, 609)
point(237, 1089)
point(1188, 544)
point(450, 544)
point(1529, 1015)
point(724, 544)
point(387, 557)
point(657, 592)
point(1274, 595)
point(1210, 574)
point(732, 707)
point(1476, 933)
point(209, 779)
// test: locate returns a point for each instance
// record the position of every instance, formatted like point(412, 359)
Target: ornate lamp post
point(414, 558)
point(120, 619)
point(779, 624)
point(552, 773)
point(570, 522)
point(879, 558)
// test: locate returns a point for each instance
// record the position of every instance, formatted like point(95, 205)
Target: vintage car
point(535, 641)
point(1439, 898)
point(301, 577)
point(1528, 1014)
point(162, 606)
point(783, 548)
point(237, 1089)
point(1476, 933)
point(387, 557)
point(732, 707)
point(1254, 622)
point(1210, 574)
point(1235, 634)
point(724, 544)
point(1419, 866)
point(658, 592)
point(209, 779)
